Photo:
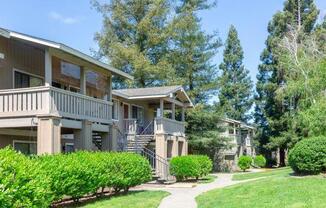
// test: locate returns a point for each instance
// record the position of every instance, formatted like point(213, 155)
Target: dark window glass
point(24, 80)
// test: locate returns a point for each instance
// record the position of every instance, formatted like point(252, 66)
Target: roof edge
point(65, 48)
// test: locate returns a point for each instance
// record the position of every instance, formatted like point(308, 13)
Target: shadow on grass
point(92, 199)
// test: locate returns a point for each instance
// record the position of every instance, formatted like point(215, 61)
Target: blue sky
point(75, 23)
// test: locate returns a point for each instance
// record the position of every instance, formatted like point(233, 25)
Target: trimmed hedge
point(190, 166)
point(21, 184)
point(260, 161)
point(39, 181)
point(244, 162)
point(309, 156)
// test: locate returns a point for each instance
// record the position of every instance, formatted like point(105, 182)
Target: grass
point(269, 172)
point(279, 190)
point(207, 179)
point(135, 199)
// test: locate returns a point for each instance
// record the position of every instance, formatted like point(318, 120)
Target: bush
point(21, 184)
point(260, 161)
point(309, 156)
point(190, 166)
point(244, 162)
point(205, 164)
point(81, 173)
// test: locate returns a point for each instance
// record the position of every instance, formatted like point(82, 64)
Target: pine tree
point(273, 114)
point(135, 37)
point(193, 51)
point(235, 95)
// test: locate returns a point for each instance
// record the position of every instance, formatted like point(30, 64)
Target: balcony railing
point(49, 100)
point(169, 126)
point(130, 126)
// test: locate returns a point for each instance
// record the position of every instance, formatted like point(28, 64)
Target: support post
point(173, 111)
point(175, 146)
point(109, 88)
point(83, 80)
point(48, 135)
point(83, 137)
point(183, 114)
point(161, 108)
point(107, 140)
point(48, 68)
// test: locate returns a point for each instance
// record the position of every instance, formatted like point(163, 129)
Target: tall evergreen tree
point(135, 37)
point(273, 115)
point(193, 51)
point(235, 95)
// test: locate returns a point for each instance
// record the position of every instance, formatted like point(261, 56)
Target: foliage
point(159, 42)
point(21, 185)
point(190, 166)
point(260, 161)
point(274, 191)
point(205, 164)
point(309, 156)
point(82, 173)
point(135, 37)
point(235, 94)
point(244, 162)
point(193, 50)
point(205, 135)
point(273, 114)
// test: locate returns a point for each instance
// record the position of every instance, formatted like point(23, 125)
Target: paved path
point(185, 197)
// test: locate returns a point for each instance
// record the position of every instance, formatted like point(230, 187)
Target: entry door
point(125, 111)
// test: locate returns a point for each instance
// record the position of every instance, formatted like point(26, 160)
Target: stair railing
point(158, 163)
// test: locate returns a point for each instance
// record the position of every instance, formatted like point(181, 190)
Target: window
point(138, 113)
point(115, 110)
point(69, 147)
point(70, 70)
point(25, 147)
point(23, 80)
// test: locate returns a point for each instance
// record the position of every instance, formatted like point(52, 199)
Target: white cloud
point(66, 20)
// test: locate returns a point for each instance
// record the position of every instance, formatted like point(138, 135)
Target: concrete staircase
point(139, 142)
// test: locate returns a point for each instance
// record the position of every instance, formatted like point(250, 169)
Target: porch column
point(82, 80)
point(48, 135)
point(183, 114)
point(129, 111)
point(48, 68)
point(161, 108)
point(109, 88)
point(83, 137)
point(175, 146)
point(107, 140)
point(173, 111)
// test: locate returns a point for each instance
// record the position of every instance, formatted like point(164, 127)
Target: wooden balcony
point(169, 126)
point(46, 100)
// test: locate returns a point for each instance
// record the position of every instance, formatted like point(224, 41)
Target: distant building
point(241, 136)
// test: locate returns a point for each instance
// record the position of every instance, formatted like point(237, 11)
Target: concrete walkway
point(185, 197)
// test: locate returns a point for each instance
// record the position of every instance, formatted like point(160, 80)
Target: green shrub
point(244, 162)
point(260, 161)
point(309, 156)
point(81, 173)
point(190, 166)
point(21, 183)
point(205, 164)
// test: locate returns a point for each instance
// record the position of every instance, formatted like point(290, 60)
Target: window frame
point(25, 73)
point(23, 142)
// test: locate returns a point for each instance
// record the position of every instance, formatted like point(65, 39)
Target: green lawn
point(139, 199)
point(207, 179)
point(269, 172)
point(279, 190)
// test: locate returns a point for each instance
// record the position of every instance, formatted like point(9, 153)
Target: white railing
point(49, 100)
point(130, 126)
point(169, 126)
